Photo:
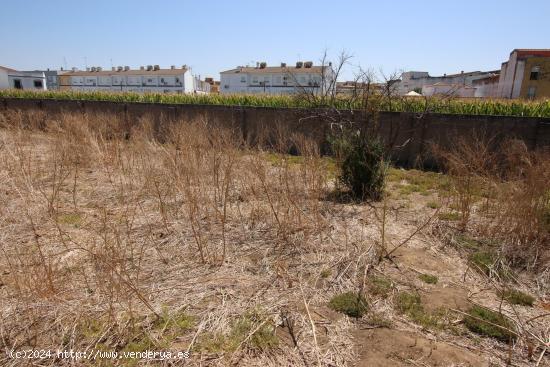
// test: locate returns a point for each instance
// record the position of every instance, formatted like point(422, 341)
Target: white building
point(10, 78)
point(150, 79)
point(417, 80)
point(283, 79)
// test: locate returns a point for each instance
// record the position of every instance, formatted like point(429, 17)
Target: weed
point(410, 304)
point(73, 219)
point(380, 286)
point(349, 303)
point(325, 273)
point(516, 297)
point(490, 323)
point(433, 205)
point(427, 278)
point(483, 260)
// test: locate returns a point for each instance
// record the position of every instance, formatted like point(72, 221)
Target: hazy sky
point(439, 36)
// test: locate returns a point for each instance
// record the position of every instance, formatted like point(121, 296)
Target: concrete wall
point(408, 136)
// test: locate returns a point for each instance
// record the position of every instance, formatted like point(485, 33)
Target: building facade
point(283, 79)
point(150, 79)
point(13, 79)
point(526, 74)
point(417, 80)
point(486, 87)
point(449, 90)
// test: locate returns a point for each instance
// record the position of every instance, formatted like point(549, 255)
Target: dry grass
point(186, 238)
point(116, 242)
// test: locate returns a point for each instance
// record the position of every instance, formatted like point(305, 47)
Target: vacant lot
point(120, 242)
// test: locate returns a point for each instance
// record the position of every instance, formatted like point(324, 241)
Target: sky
point(438, 36)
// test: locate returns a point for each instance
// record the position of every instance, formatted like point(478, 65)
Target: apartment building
point(283, 79)
point(526, 74)
point(150, 79)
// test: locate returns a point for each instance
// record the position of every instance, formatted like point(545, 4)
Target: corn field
point(539, 108)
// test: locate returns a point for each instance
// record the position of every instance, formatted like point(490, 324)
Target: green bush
point(490, 323)
point(363, 166)
point(349, 303)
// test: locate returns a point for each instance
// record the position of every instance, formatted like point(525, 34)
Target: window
point(243, 79)
point(38, 84)
point(177, 80)
point(278, 80)
point(149, 80)
point(267, 80)
point(17, 84)
point(255, 80)
point(535, 73)
point(302, 80)
point(531, 92)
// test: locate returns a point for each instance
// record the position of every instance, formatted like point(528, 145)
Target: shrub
point(362, 163)
point(490, 323)
point(349, 303)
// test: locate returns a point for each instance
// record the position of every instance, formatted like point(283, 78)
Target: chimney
point(173, 67)
point(119, 68)
point(263, 65)
point(299, 64)
point(142, 68)
point(149, 67)
point(156, 67)
point(88, 69)
point(283, 64)
point(308, 64)
point(99, 68)
point(126, 68)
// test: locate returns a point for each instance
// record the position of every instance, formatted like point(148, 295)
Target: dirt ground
point(234, 257)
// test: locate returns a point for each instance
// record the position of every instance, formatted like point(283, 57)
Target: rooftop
point(275, 69)
point(541, 52)
point(174, 71)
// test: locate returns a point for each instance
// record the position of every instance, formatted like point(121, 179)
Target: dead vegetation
point(188, 239)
